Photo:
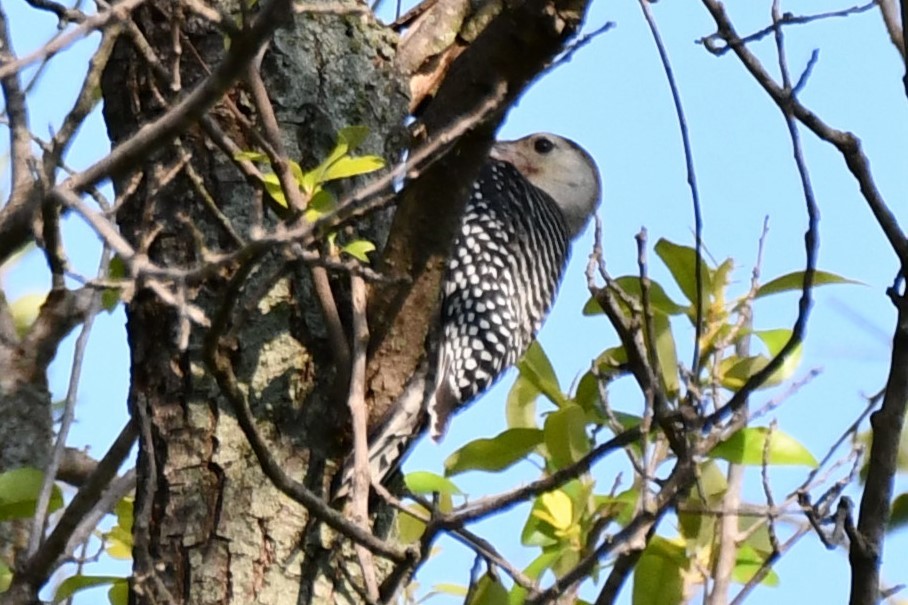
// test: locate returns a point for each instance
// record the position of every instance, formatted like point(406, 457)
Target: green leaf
point(119, 592)
point(775, 340)
point(536, 367)
point(353, 136)
point(25, 310)
point(489, 591)
point(537, 532)
point(565, 435)
point(658, 576)
point(273, 188)
point(452, 589)
point(110, 297)
point(340, 150)
point(297, 171)
point(311, 180)
point(19, 490)
point(747, 563)
point(611, 361)
point(735, 371)
point(520, 409)
point(568, 558)
point(534, 571)
point(494, 454)
point(409, 528)
point(74, 584)
point(631, 285)
point(347, 166)
point(119, 538)
point(620, 507)
point(6, 577)
point(358, 249)
point(556, 509)
point(681, 262)
point(592, 307)
point(695, 526)
point(795, 281)
point(321, 203)
point(252, 156)
point(721, 278)
point(119, 543)
point(899, 516)
point(588, 397)
point(666, 354)
point(758, 537)
point(659, 300)
point(424, 482)
point(746, 447)
point(124, 511)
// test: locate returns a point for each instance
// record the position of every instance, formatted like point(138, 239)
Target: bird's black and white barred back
point(506, 263)
point(499, 285)
point(531, 198)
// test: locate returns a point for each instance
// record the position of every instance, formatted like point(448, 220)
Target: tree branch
point(509, 53)
point(37, 569)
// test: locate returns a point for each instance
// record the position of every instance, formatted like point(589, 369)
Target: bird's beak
point(506, 151)
point(513, 153)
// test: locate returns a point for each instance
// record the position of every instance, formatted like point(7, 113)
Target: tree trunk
point(210, 527)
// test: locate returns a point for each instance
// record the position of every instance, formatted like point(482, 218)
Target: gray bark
point(216, 529)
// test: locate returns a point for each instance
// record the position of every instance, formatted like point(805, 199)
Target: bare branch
point(714, 42)
point(64, 15)
point(691, 176)
point(16, 215)
point(892, 19)
point(220, 365)
point(69, 413)
point(116, 13)
point(356, 401)
point(845, 142)
point(37, 569)
point(278, 158)
point(789, 107)
point(164, 129)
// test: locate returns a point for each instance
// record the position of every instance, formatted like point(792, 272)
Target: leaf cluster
point(553, 428)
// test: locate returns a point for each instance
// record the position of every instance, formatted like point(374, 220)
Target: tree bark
point(210, 527)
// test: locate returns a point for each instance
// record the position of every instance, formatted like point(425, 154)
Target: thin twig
point(578, 44)
point(220, 365)
point(118, 12)
point(633, 536)
point(174, 121)
point(69, 413)
point(767, 565)
point(479, 545)
point(691, 177)
point(787, 19)
point(279, 162)
point(483, 507)
point(356, 401)
point(41, 564)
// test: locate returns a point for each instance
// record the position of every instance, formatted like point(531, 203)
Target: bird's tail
point(390, 441)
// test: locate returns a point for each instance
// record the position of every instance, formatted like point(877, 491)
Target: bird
point(531, 199)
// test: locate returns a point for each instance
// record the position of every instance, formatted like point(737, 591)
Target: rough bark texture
point(25, 431)
point(219, 532)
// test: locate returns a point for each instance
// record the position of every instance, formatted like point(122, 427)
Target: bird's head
point(561, 168)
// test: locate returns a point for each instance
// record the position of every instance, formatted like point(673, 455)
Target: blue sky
point(612, 98)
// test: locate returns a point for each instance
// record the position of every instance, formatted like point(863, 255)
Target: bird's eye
point(543, 145)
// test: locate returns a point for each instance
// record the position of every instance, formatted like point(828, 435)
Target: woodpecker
point(531, 199)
